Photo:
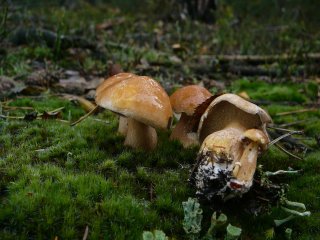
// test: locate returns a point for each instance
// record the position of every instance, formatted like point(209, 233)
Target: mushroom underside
point(225, 114)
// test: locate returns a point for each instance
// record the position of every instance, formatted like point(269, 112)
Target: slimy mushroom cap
point(137, 97)
point(186, 99)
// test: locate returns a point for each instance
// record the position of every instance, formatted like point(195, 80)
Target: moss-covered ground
point(57, 180)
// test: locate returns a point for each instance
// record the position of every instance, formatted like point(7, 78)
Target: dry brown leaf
point(84, 103)
point(110, 23)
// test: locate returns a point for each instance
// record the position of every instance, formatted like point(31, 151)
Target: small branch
point(17, 108)
point(284, 136)
point(287, 152)
point(101, 120)
point(55, 110)
point(280, 129)
point(297, 122)
point(263, 59)
point(280, 172)
point(86, 232)
point(10, 117)
point(297, 111)
point(84, 116)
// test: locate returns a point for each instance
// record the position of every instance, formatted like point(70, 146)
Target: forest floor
point(59, 181)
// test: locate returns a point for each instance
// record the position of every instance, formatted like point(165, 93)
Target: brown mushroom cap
point(186, 99)
point(230, 109)
point(112, 81)
point(137, 97)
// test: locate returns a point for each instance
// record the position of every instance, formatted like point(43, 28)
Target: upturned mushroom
point(184, 101)
point(233, 134)
point(142, 101)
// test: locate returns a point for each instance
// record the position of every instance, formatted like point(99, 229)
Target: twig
point(263, 59)
point(10, 117)
point(17, 108)
point(297, 111)
point(284, 136)
point(295, 123)
point(279, 172)
point(100, 120)
point(280, 129)
point(86, 232)
point(55, 110)
point(38, 116)
point(287, 152)
point(84, 116)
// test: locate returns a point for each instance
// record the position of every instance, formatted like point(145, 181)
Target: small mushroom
point(233, 134)
point(184, 101)
point(142, 101)
point(255, 141)
point(216, 162)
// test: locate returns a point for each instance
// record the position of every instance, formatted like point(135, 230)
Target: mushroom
point(142, 101)
point(184, 101)
point(233, 134)
point(254, 142)
point(230, 110)
point(123, 125)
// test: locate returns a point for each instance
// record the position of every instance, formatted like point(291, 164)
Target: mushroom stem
point(140, 135)
point(182, 132)
point(248, 163)
point(123, 126)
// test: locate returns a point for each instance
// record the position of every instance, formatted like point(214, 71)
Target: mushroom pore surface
point(224, 115)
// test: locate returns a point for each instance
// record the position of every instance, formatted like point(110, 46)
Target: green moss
point(64, 178)
point(55, 180)
point(260, 90)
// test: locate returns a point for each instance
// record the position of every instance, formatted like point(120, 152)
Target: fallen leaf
point(51, 115)
point(84, 103)
point(244, 95)
point(31, 116)
point(110, 23)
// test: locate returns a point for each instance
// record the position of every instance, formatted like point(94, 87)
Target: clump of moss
point(278, 92)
